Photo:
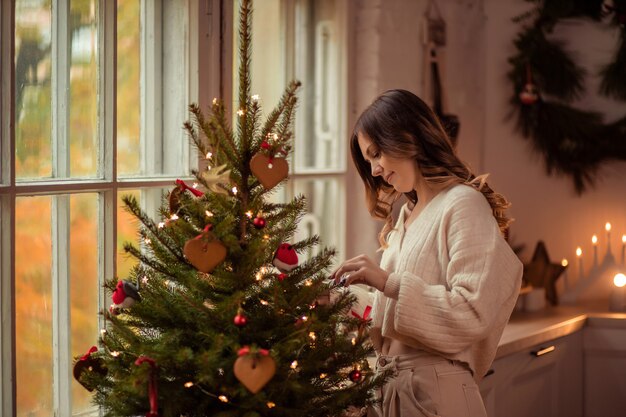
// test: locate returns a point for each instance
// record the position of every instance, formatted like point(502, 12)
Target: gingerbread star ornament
point(540, 272)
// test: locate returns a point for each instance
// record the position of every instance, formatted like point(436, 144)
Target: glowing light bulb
point(607, 226)
point(579, 252)
point(294, 364)
point(564, 262)
point(188, 384)
point(223, 398)
point(594, 239)
point(270, 404)
point(619, 280)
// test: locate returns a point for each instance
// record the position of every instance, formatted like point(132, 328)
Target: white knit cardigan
point(453, 281)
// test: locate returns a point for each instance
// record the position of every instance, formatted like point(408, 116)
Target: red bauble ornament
point(259, 222)
point(286, 258)
point(529, 94)
point(355, 375)
point(282, 276)
point(240, 320)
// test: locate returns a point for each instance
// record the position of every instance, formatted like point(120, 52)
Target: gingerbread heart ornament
point(269, 173)
point(205, 256)
point(254, 371)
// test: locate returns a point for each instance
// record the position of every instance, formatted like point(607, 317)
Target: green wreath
point(573, 142)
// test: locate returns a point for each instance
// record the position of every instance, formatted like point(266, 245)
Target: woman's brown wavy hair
point(401, 125)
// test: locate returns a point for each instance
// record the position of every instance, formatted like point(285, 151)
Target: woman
point(448, 280)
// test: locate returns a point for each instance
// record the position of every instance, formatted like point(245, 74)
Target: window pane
point(33, 306)
point(84, 286)
point(33, 69)
point(267, 67)
point(325, 212)
point(83, 89)
point(152, 93)
point(319, 136)
point(128, 102)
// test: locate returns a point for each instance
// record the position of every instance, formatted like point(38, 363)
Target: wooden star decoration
point(540, 272)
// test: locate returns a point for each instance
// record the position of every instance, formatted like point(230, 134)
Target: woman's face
point(401, 173)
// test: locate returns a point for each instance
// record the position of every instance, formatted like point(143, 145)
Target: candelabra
point(603, 280)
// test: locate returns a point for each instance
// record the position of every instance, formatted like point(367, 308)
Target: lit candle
point(579, 255)
point(607, 227)
point(564, 263)
point(623, 247)
point(594, 242)
point(618, 297)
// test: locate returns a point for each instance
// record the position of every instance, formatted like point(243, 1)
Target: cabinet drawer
point(605, 371)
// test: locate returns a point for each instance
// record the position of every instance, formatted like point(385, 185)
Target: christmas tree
point(220, 317)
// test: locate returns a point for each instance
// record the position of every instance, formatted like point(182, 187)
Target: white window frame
point(205, 54)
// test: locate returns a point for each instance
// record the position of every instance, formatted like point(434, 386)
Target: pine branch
point(132, 206)
point(217, 132)
point(245, 52)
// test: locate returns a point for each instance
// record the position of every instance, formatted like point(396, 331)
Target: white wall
point(480, 34)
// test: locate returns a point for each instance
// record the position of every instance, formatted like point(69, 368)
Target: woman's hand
point(361, 270)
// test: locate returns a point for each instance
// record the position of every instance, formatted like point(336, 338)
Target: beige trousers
point(427, 385)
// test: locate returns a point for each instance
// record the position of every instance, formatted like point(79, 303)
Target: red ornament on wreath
point(205, 251)
point(286, 258)
point(529, 94)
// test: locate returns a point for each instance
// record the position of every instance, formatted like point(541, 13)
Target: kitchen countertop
point(525, 330)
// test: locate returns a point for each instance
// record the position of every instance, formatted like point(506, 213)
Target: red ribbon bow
point(184, 187)
point(89, 352)
point(206, 230)
point(152, 386)
point(246, 350)
point(366, 314)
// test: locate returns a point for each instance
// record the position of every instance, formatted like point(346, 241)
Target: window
point(83, 126)
point(306, 40)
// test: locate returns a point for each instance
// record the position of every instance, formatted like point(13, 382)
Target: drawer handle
point(543, 351)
